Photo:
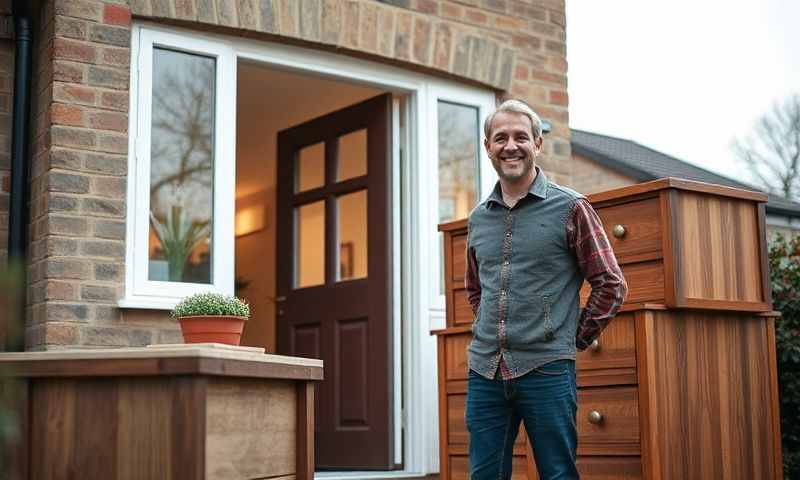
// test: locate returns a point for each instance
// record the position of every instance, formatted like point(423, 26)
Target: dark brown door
point(334, 264)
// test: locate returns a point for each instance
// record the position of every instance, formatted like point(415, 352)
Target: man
point(531, 244)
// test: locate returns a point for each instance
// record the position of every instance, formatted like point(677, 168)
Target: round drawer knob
point(618, 231)
point(595, 417)
point(595, 345)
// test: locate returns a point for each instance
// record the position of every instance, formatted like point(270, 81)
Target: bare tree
point(772, 151)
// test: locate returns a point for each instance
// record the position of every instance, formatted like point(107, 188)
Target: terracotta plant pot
point(212, 329)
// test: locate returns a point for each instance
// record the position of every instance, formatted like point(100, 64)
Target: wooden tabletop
point(189, 359)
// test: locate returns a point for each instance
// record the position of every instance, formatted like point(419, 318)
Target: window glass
point(310, 168)
point(182, 166)
point(352, 157)
point(309, 244)
point(459, 138)
point(352, 218)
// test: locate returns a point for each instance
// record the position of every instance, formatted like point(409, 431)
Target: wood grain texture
point(305, 440)
point(459, 257)
point(457, 366)
point(715, 263)
point(462, 311)
point(124, 367)
point(444, 451)
point(675, 183)
point(618, 432)
point(100, 428)
point(642, 223)
point(775, 398)
point(609, 468)
point(616, 347)
point(710, 398)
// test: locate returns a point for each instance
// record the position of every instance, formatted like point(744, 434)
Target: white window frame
point(487, 177)
point(140, 291)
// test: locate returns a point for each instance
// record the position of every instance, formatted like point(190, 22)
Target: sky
point(684, 77)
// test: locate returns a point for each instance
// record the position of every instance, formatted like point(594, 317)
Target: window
point(181, 200)
point(459, 140)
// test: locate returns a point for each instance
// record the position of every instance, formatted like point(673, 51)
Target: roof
point(644, 164)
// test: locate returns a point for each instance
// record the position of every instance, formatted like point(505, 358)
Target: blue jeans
point(545, 399)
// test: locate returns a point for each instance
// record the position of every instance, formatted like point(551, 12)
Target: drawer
point(609, 468)
point(641, 221)
point(645, 283)
point(612, 359)
point(617, 430)
point(455, 355)
point(462, 310)
point(459, 252)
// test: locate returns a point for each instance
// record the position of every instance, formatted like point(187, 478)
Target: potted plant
point(212, 318)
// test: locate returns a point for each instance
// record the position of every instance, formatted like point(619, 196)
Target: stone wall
point(76, 276)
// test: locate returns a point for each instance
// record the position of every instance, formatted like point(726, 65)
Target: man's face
point(511, 145)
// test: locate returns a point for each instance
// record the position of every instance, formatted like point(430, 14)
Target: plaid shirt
point(587, 241)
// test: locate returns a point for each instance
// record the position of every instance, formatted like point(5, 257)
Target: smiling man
point(531, 244)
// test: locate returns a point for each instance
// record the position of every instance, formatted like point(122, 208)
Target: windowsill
point(147, 303)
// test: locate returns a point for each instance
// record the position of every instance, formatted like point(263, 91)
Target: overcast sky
point(681, 76)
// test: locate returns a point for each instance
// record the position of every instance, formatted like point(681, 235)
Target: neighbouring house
point(297, 152)
point(601, 162)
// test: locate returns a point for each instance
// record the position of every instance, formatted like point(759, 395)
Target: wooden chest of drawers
point(683, 380)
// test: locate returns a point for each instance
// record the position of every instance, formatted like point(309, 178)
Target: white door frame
point(416, 260)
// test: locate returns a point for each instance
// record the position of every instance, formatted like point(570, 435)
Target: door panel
point(334, 283)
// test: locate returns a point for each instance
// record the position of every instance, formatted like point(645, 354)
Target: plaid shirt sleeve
point(588, 241)
point(472, 282)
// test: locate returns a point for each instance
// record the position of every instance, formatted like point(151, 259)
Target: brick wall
point(76, 274)
point(6, 87)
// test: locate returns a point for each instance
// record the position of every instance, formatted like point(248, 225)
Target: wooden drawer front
point(645, 283)
point(610, 468)
point(642, 222)
point(618, 431)
point(462, 311)
point(455, 346)
point(459, 258)
point(613, 362)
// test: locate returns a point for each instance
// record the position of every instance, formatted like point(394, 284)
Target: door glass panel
point(352, 158)
point(310, 168)
point(181, 167)
point(459, 138)
point(352, 230)
point(309, 244)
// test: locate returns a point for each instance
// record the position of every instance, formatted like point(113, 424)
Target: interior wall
point(268, 101)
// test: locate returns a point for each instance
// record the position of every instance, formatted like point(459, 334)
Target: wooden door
point(334, 284)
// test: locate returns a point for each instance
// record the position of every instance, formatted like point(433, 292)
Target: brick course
point(80, 118)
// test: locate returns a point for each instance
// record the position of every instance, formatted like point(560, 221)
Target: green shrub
point(211, 304)
point(784, 260)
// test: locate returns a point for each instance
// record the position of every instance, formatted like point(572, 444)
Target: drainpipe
point(20, 147)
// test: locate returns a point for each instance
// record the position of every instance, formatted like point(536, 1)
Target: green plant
point(211, 304)
point(784, 260)
point(178, 236)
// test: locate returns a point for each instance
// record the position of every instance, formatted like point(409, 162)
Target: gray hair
point(515, 106)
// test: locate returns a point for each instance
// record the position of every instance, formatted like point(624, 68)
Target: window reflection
point(181, 167)
point(459, 138)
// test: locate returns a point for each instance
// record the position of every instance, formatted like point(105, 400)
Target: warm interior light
point(249, 219)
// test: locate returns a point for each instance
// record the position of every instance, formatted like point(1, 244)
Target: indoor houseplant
point(212, 318)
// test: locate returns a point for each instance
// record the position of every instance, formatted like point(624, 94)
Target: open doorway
point(313, 247)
